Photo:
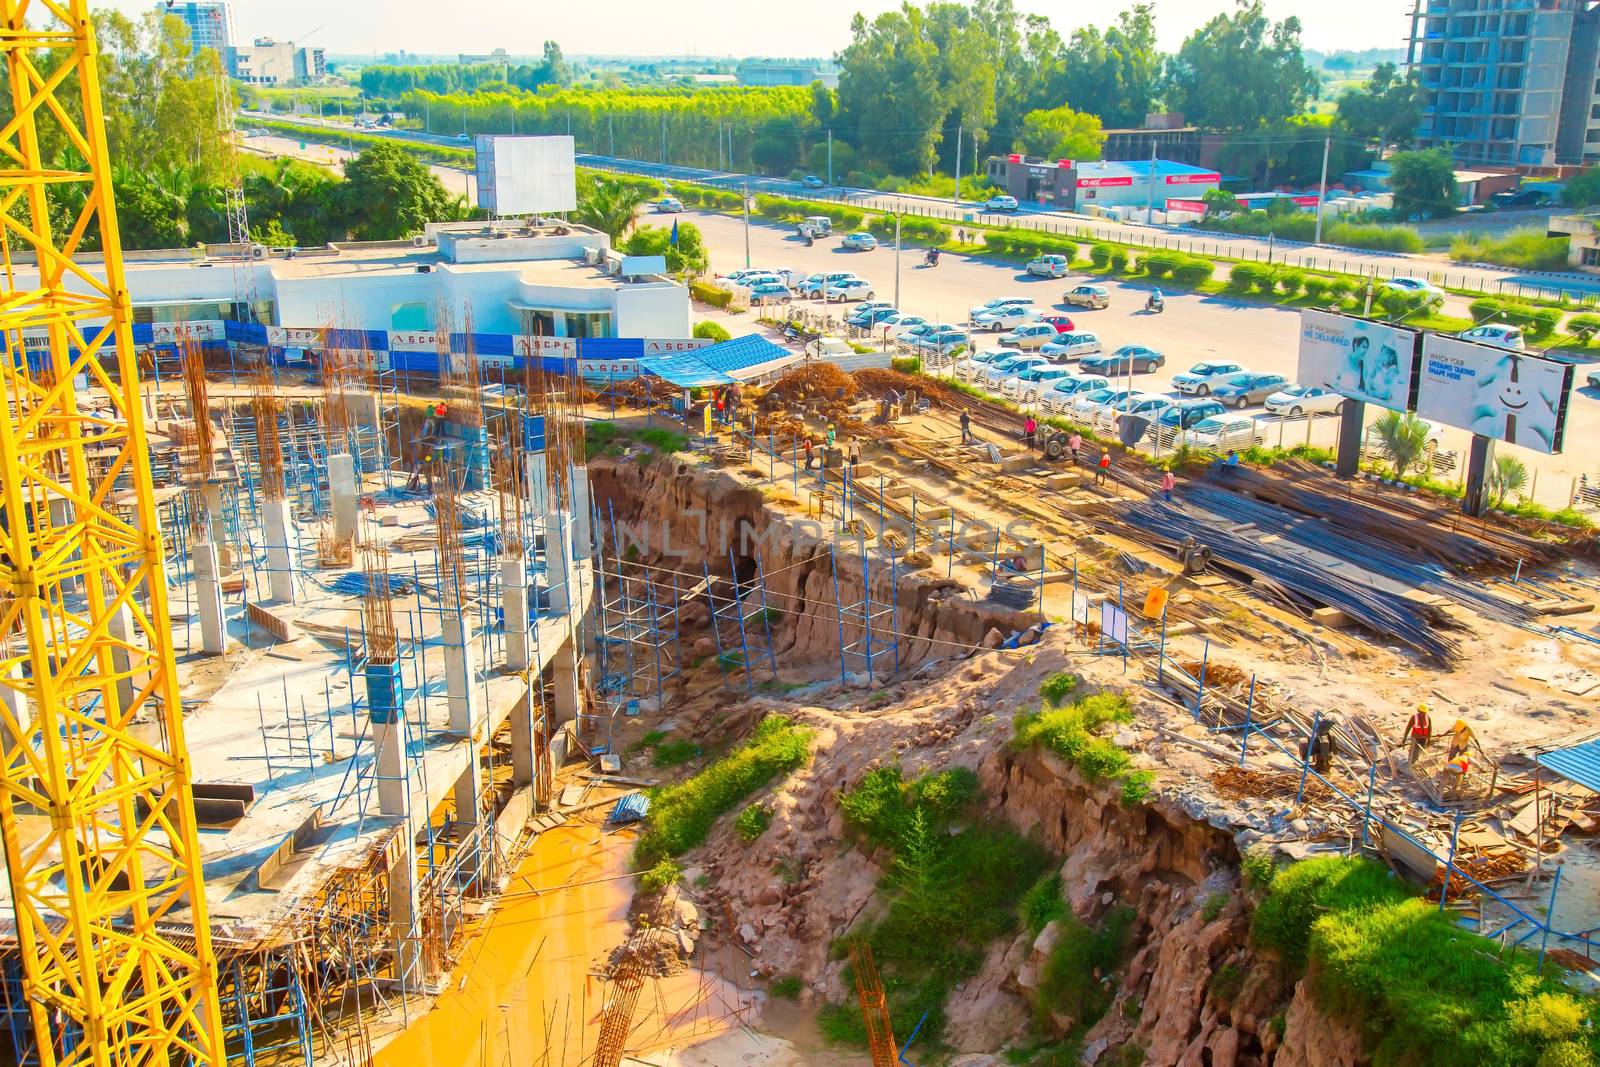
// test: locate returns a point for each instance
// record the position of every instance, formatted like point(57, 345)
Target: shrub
point(711, 331)
point(1339, 288)
point(1192, 271)
point(1119, 260)
point(1584, 327)
point(1316, 288)
point(1136, 787)
point(1290, 282)
point(1258, 869)
point(787, 986)
point(681, 815)
point(1100, 255)
point(1058, 687)
point(1398, 303)
point(1536, 322)
point(753, 821)
point(1306, 890)
point(1244, 276)
point(1527, 249)
point(672, 753)
point(1381, 238)
point(906, 364)
point(882, 804)
point(661, 876)
point(1042, 904)
point(713, 295)
point(1069, 732)
point(1071, 983)
point(1161, 264)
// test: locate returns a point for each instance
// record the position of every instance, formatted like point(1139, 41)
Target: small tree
point(1404, 436)
point(1508, 475)
point(1424, 183)
point(1220, 203)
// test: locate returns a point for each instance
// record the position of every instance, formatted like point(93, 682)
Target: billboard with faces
point(1373, 362)
point(1508, 396)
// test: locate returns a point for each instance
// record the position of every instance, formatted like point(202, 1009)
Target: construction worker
point(1461, 738)
point(1103, 468)
point(811, 455)
point(1419, 731)
point(1030, 428)
point(853, 454)
point(1075, 443)
point(1169, 482)
point(832, 436)
point(1318, 748)
point(966, 427)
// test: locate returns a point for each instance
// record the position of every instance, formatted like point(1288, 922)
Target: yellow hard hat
point(1423, 708)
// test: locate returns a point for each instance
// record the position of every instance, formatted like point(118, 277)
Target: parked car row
point(783, 286)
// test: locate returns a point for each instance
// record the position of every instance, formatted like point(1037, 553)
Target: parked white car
point(1497, 334)
point(1303, 400)
point(911, 327)
point(1434, 294)
point(994, 376)
point(860, 241)
point(1004, 317)
point(1065, 346)
point(1201, 378)
point(1049, 266)
point(1029, 335)
point(1000, 203)
point(996, 304)
point(848, 289)
point(1027, 387)
point(668, 205)
point(816, 284)
point(1224, 433)
point(1145, 405)
point(941, 341)
point(1059, 398)
point(975, 363)
point(1085, 406)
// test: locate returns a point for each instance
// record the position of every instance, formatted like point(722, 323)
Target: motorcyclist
point(1155, 302)
point(932, 258)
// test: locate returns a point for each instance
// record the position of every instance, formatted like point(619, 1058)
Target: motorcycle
point(1155, 305)
point(931, 259)
point(810, 240)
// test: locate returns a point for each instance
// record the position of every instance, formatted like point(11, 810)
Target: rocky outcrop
point(1313, 1039)
point(680, 516)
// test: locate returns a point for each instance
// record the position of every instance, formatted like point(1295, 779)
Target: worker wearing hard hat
point(1456, 760)
point(1419, 731)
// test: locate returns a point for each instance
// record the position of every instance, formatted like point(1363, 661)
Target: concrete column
point(208, 591)
point(363, 408)
point(120, 626)
point(564, 680)
point(460, 675)
point(217, 522)
point(468, 791)
point(583, 514)
point(535, 472)
point(62, 515)
point(346, 497)
point(514, 602)
point(522, 740)
point(393, 792)
point(403, 904)
point(558, 567)
point(278, 529)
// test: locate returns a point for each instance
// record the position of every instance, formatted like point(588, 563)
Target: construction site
point(529, 718)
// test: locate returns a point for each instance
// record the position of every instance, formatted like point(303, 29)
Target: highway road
point(1192, 329)
point(459, 182)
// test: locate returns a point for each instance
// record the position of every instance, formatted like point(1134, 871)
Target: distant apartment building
point(1509, 82)
point(469, 59)
point(210, 23)
point(759, 71)
point(270, 62)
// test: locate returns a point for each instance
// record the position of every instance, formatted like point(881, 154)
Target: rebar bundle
point(194, 384)
point(452, 552)
point(462, 378)
point(269, 448)
point(513, 502)
point(874, 1005)
point(377, 606)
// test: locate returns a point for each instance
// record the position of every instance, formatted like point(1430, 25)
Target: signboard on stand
point(526, 175)
point(1372, 362)
point(1516, 397)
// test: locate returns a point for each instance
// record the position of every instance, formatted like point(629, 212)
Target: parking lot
point(1193, 328)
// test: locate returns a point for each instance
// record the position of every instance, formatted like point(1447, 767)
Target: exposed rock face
point(1312, 1039)
point(679, 516)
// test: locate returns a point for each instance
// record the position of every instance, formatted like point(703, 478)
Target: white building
point(549, 288)
point(270, 62)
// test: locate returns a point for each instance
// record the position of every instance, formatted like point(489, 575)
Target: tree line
point(387, 81)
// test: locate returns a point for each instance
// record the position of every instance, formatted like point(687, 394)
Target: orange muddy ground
point(522, 994)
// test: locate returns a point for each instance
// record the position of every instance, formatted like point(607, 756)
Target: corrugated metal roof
point(718, 364)
point(631, 808)
point(751, 350)
point(684, 370)
point(1138, 168)
point(1580, 763)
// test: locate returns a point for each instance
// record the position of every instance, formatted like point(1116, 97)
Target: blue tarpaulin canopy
point(719, 364)
point(1580, 763)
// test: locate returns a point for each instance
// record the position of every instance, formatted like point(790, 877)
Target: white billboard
point(1368, 361)
point(1507, 396)
point(526, 175)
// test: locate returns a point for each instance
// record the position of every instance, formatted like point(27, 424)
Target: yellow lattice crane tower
point(95, 809)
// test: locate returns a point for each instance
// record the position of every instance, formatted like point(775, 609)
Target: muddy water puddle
point(526, 991)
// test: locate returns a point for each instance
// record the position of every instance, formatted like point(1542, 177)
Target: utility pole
point(663, 138)
point(957, 200)
point(830, 156)
point(427, 118)
point(1150, 204)
point(1322, 192)
point(747, 224)
point(611, 136)
point(897, 260)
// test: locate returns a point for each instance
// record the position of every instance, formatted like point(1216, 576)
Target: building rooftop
point(1139, 169)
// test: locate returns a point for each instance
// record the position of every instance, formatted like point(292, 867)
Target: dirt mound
point(877, 382)
point(817, 380)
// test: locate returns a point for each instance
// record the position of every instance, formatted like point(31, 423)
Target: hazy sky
point(721, 27)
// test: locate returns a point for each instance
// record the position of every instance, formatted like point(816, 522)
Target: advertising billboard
point(1104, 183)
point(526, 175)
point(1193, 179)
point(1507, 396)
point(1367, 361)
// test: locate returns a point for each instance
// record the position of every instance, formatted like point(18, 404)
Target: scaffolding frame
point(859, 618)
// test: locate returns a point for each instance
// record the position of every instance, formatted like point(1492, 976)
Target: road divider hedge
point(1009, 242)
point(1536, 322)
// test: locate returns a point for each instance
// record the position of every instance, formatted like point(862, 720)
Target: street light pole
point(957, 200)
point(747, 224)
point(830, 156)
point(1322, 194)
point(897, 260)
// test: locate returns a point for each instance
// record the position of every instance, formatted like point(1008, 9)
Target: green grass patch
point(1058, 687)
point(1527, 249)
point(672, 753)
point(953, 887)
point(1042, 904)
point(1422, 990)
point(753, 821)
point(682, 815)
point(649, 740)
point(1070, 732)
point(1076, 975)
point(787, 986)
point(664, 874)
point(602, 438)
